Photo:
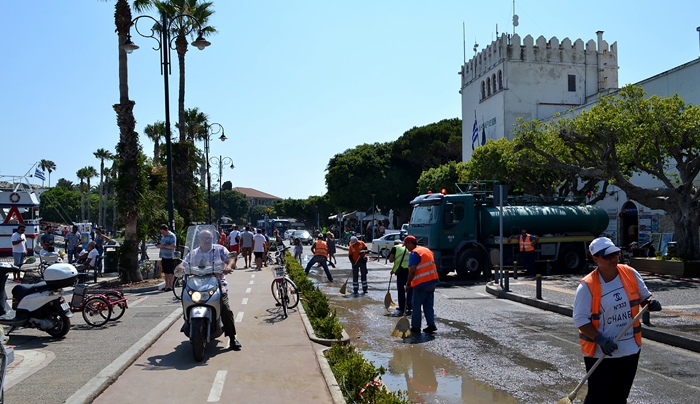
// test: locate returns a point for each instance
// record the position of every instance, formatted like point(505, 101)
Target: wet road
point(489, 350)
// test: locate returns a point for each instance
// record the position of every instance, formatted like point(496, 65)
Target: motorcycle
point(40, 305)
point(201, 295)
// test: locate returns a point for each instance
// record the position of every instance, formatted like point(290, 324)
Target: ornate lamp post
point(212, 129)
point(221, 161)
point(374, 219)
point(160, 32)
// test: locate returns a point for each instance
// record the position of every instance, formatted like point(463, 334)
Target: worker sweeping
point(422, 278)
point(357, 253)
point(606, 300)
point(399, 257)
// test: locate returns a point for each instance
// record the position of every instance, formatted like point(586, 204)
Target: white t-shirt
point(232, 237)
point(91, 259)
point(21, 247)
point(259, 243)
point(615, 313)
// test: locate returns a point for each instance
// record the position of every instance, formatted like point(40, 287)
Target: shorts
point(246, 251)
point(168, 265)
point(258, 254)
point(18, 258)
point(235, 248)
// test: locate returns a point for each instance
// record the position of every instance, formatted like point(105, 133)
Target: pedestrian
point(606, 300)
point(357, 253)
point(234, 242)
point(267, 246)
point(526, 250)
point(222, 237)
point(320, 251)
point(259, 248)
point(19, 250)
point(47, 238)
point(167, 246)
point(298, 250)
point(100, 240)
point(399, 257)
point(217, 253)
point(381, 229)
point(72, 241)
point(247, 247)
point(330, 242)
point(422, 278)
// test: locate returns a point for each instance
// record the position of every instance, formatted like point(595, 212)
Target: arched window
point(493, 82)
point(488, 86)
point(500, 80)
point(483, 90)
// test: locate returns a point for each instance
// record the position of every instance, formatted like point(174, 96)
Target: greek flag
point(475, 132)
point(39, 174)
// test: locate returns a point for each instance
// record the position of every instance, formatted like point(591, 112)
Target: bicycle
point(178, 286)
point(99, 308)
point(284, 290)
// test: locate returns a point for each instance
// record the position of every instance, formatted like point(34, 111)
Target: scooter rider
point(207, 250)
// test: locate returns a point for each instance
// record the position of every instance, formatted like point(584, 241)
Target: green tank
point(539, 220)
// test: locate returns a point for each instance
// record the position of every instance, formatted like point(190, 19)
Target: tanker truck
point(463, 231)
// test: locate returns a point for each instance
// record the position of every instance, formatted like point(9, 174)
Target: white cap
point(602, 246)
point(353, 239)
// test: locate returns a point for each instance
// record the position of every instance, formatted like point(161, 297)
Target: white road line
point(252, 275)
point(251, 282)
point(218, 387)
point(239, 317)
point(135, 302)
point(248, 290)
point(245, 300)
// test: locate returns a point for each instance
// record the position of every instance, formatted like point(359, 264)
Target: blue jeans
point(72, 255)
point(423, 298)
point(322, 261)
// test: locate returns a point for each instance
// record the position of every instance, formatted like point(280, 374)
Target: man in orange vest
point(357, 253)
point(422, 278)
point(526, 250)
point(607, 299)
point(320, 250)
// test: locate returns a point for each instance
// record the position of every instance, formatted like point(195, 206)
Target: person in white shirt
point(19, 249)
point(234, 242)
point(259, 247)
point(90, 256)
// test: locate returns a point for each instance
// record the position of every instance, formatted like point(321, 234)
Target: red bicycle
point(98, 308)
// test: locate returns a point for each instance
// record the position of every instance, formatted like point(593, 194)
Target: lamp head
point(222, 137)
point(128, 45)
point(200, 43)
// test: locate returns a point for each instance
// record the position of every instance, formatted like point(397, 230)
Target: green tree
point(442, 177)
point(60, 204)
point(233, 204)
point(156, 132)
point(64, 183)
point(625, 134)
point(47, 165)
point(102, 154)
point(82, 175)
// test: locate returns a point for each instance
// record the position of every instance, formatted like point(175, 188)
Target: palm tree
point(89, 173)
point(103, 155)
point(156, 132)
point(47, 165)
point(196, 128)
point(82, 174)
point(199, 10)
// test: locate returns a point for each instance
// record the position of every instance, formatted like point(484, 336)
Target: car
point(304, 236)
point(289, 234)
point(384, 244)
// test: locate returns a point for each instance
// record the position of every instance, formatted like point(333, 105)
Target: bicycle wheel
point(292, 293)
point(178, 287)
point(119, 308)
point(282, 292)
point(96, 311)
point(275, 290)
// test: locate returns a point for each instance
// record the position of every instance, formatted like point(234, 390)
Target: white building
point(534, 80)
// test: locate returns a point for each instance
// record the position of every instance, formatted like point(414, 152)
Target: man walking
point(259, 248)
point(526, 249)
point(234, 239)
point(167, 245)
point(72, 241)
point(19, 249)
point(247, 247)
point(422, 278)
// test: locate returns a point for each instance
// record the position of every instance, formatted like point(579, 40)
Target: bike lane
point(277, 361)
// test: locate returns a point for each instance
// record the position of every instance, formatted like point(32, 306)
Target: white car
point(288, 235)
point(384, 244)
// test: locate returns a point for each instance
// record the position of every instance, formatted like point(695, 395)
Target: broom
point(344, 288)
point(572, 396)
point(388, 302)
point(403, 327)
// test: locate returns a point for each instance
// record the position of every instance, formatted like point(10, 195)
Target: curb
point(664, 337)
point(312, 335)
point(95, 386)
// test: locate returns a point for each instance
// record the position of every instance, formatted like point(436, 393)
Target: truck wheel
point(571, 258)
point(470, 264)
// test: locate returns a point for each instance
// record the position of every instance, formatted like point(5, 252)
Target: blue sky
point(292, 82)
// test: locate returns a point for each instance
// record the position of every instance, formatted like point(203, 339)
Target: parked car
point(289, 234)
point(304, 236)
point(384, 244)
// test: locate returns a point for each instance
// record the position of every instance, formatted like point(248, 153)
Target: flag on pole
point(39, 174)
point(483, 135)
point(475, 132)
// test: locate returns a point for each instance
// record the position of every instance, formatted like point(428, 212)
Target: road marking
point(245, 300)
point(31, 361)
point(251, 282)
point(135, 302)
point(239, 317)
point(248, 290)
point(252, 275)
point(218, 386)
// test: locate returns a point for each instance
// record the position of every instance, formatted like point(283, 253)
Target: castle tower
point(510, 79)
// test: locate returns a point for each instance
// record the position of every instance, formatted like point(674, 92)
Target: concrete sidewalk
point(678, 324)
point(278, 361)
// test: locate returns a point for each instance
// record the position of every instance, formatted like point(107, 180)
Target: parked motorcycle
point(40, 305)
point(201, 296)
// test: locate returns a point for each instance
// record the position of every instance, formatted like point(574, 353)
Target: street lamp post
point(217, 129)
point(374, 219)
point(160, 32)
point(220, 161)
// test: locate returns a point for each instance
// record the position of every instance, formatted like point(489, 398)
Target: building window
point(493, 83)
point(572, 82)
point(483, 90)
point(488, 86)
point(500, 80)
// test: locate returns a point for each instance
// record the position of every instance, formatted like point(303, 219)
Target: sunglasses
point(608, 257)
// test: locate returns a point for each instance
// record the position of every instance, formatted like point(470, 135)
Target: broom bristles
point(564, 400)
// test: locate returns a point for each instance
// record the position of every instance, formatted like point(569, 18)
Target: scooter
point(40, 305)
point(201, 296)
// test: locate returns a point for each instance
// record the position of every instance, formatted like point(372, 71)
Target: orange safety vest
point(354, 251)
point(526, 243)
point(321, 249)
point(629, 282)
point(426, 270)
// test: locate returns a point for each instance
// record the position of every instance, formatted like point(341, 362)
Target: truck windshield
point(425, 214)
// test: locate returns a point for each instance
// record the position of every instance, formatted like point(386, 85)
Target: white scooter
point(40, 305)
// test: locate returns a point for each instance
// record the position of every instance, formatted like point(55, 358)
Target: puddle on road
point(426, 376)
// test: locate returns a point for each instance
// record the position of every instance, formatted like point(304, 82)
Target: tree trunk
point(181, 47)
